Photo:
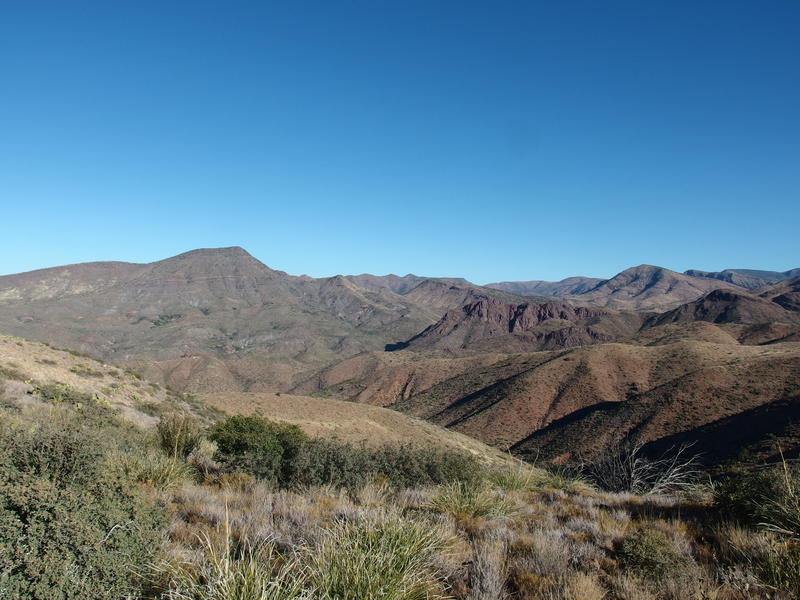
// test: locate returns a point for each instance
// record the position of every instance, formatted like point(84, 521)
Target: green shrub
point(323, 462)
point(68, 529)
point(179, 434)
point(408, 465)
point(283, 454)
point(264, 449)
point(64, 453)
point(651, 552)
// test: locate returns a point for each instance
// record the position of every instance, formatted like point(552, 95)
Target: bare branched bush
point(625, 468)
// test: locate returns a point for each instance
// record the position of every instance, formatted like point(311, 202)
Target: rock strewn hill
point(537, 403)
point(746, 278)
point(565, 287)
point(647, 287)
point(727, 306)
point(401, 285)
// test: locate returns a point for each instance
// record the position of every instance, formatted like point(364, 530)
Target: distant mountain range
point(649, 353)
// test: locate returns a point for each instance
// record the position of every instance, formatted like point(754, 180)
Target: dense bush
point(68, 529)
point(64, 454)
point(334, 462)
point(285, 455)
point(257, 446)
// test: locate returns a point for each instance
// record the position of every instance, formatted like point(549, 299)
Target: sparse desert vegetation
point(113, 485)
point(247, 508)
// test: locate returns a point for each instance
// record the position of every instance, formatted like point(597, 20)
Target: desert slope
point(648, 287)
point(259, 328)
point(25, 365)
point(350, 422)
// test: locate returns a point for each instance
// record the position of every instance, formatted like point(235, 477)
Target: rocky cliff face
point(492, 324)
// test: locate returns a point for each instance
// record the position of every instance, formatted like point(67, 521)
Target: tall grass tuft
point(385, 557)
point(179, 434)
point(466, 501)
point(251, 574)
point(782, 513)
point(519, 476)
point(162, 472)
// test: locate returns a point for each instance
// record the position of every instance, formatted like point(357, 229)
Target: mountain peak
point(227, 252)
point(644, 268)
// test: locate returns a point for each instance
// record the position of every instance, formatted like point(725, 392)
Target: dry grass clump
point(489, 568)
point(372, 555)
point(252, 574)
point(179, 434)
point(518, 476)
point(151, 468)
point(388, 557)
point(467, 502)
point(11, 372)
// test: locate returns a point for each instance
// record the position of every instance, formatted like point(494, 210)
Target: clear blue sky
point(489, 140)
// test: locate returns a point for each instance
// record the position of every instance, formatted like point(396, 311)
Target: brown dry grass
point(38, 363)
point(351, 422)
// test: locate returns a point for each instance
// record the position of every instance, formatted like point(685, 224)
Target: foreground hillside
point(241, 508)
point(32, 370)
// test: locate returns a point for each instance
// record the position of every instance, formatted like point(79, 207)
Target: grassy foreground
point(92, 506)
